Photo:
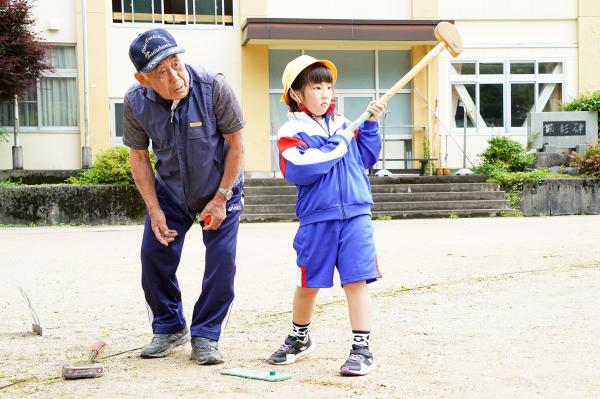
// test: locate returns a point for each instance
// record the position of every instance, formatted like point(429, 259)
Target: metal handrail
point(384, 138)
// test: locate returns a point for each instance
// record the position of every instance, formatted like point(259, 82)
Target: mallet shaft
point(401, 83)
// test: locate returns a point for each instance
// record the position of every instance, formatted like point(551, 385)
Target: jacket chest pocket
point(197, 130)
point(198, 124)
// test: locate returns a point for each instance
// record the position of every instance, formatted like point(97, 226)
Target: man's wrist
point(224, 193)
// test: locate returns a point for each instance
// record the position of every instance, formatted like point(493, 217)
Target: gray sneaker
point(360, 362)
point(205, 351)
point(163, 344)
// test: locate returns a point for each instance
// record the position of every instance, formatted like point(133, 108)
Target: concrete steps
point(395, 197)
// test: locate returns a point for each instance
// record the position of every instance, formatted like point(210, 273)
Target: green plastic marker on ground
point(271, 376)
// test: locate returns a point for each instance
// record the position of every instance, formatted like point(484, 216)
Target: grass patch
point(9, 183)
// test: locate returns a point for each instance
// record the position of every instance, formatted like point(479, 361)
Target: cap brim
point(161, 56)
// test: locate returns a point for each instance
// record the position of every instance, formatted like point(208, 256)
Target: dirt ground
point(467, 308)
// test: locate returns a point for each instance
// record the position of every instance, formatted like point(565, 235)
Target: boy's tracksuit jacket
point(329, 173)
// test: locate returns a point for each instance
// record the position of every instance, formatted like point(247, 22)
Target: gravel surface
point(498, 307)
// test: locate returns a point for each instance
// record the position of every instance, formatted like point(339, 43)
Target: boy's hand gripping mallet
point(449, 39)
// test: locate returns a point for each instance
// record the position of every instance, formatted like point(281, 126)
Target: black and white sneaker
point(292, 350)
point(360, 362)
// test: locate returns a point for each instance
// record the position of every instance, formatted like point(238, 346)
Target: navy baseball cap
point(151, 47)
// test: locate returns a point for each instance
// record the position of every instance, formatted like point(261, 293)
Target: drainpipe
point(17, 150)
point(86, 150)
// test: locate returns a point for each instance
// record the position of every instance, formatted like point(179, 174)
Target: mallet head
point(75, 372)
point(446, 33)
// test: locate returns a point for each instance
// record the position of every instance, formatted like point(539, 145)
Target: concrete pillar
point(255, 105)
point(588, 54)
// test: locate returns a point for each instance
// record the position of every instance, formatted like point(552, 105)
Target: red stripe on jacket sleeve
point(287, 142)
point(282, 164)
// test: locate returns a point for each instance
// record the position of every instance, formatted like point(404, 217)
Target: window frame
point(507, 79)
point(186, 25)
point(57, 73)
point(114, 139)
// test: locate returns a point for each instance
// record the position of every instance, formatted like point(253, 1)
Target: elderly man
point(195, 124)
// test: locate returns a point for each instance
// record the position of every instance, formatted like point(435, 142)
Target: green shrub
point(589, 163)
point(9, 183)
point(110, 167)
point(507, 154)
point(586, 102)
point(512, 183)
point(488, 169)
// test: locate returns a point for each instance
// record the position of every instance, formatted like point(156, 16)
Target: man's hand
point(163, 234)
point(216, 209)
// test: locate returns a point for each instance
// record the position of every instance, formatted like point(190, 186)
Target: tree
point(22, 53)
point(22, 59)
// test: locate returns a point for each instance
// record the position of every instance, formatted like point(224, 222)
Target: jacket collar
point(305, 117)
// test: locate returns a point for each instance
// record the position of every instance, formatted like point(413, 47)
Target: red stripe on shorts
point(303, 276)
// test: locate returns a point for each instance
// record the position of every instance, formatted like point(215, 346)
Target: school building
point(519, 56)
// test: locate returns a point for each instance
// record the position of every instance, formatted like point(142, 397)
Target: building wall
point(255, 104)
point(97, 50)
point(49, 151)
point(339, 9)
point(588, 32)
point(507, 10)
point(61, 11)
point(424, 9)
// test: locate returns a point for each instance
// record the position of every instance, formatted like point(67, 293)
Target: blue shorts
point(347, 244)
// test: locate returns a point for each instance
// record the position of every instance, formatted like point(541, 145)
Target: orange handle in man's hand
point(206, 221)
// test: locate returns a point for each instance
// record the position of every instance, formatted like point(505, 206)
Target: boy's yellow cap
point(297, 65)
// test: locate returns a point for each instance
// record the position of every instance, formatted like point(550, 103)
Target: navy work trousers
point(159, 264)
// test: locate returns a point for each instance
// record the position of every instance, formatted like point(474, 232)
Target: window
point(116, 121)
point(174, 12)
point(500, 94)
point(53, 101)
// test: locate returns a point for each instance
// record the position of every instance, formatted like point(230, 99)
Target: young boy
point(328, 165)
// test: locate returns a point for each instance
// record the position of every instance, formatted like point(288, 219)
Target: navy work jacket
point(190, 151)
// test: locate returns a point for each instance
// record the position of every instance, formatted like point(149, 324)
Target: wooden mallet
point(449, 39)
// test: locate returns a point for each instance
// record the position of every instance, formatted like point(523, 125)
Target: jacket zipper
point(178, 134)
point(338, 177)
point(173, 106)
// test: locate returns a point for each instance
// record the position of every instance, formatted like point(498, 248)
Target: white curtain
point(58, 101)
point(62, 57)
